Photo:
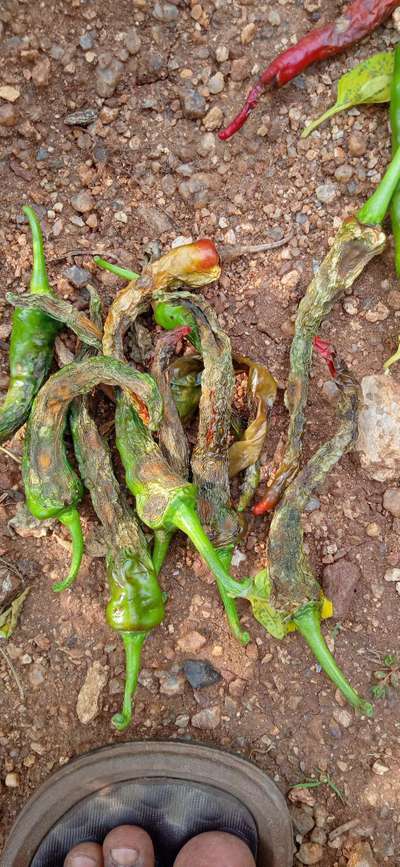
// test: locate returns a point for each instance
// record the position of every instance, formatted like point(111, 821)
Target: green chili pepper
point(52, 488)
point(136, 604)
point(170, 316)
point(354, 246)
point(163, 499)
point(395, 126)
point(31, 344)
point(374, 210)
point(288, 594)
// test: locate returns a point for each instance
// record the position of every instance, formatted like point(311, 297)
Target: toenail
point(125, 857)
point(80, 860)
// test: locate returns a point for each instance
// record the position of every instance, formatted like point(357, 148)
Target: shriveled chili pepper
point(52, 488)
point(9, 618)
point(136, 603)
point(245, 453)
point(191, 264)
point(288, 595)
point(210, 455)
point(62, 312)
point(31, 343)
point(359, 19)
point(171, 436)
point(395, 127)
point(354, 246)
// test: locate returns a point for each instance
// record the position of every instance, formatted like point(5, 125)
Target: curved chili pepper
point(288, 594)
point(31, 343)
point(360, 18)
point(354, 246)
point(52, 488)
point(395, 126)
point(210, 454)
point(171, 316)
point(136, 603)
point(192, 264)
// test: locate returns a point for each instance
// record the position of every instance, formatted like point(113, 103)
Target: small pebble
point(240, 69)
point(209, 718)
point(41, 72)
point(108, 75)
point(373, 530)
point(10, 94)
point(12, 781)
point(216, 83)
point(391, 501)
point(302, 821)
point(81, 118)
point(191, 642)
point(171, 683)
point(8, 115)
point(36, 675)
point(326, 193)
point(392, 574)
point(310, 853)
point(213, 118)
point(343, 173)
point(83, 202)
point(200, 673)
point(165, 12)
point(133, 41)
point(357, 145)
point(274, 18)
point(79, 277)
point(343, 717)
point(193, 104)
point(222, 53)
point(248, 33)
point(379, 769)
point(86, 41)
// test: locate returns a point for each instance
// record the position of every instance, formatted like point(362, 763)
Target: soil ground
point(152, 174)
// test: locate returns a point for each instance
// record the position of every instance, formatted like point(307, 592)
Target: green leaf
point(9, 617)
point(369, 82)
point(394, 680)
point(379, 675)
point(389, 660)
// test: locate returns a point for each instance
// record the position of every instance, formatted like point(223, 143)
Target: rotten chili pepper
point(287, 594)
point(31, 344)
point(359, 19)
point(354, 246)
point(52, 488)
point(136, 603)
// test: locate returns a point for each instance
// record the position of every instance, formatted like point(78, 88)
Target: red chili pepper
point(360, 18)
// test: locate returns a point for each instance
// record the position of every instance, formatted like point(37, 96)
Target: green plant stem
point(70, 518)
point(39, 283)
point(225, 557)
point(133, 643)
point(308, 622)
point(115, 269)
point(187, 520)
point(374, 210)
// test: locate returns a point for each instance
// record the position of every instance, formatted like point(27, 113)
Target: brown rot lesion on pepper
point(287, 595)
point(353, 248)
point(136, 603)
point(52, 487)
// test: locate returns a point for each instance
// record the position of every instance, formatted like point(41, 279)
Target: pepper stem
point(70, 518)
point(162, 541)
point(225, 557)
point(374, 210)
point(39, 283)
point(115, 269)
point(308, 622)
point(187, 520)
point(133, 642)
point(392, 360)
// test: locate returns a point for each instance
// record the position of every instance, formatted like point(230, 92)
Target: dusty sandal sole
point(174, 790)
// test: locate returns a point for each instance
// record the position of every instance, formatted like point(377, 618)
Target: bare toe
point(85, 855)
point(215, 847)
point(128, 846)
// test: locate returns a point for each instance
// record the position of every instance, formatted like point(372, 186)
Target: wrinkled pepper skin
point(136, 604)
point(52, 488)
point(353, 248)
point(195, 264)
point(31, 344)
point(292, 594)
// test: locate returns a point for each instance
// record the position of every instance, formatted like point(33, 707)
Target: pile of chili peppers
point(175, 374)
